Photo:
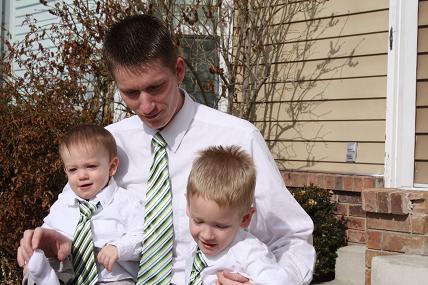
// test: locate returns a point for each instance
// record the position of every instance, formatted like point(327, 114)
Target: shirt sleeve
point(260, 265)
point(129, 245)
point(59, 217)
point(280, 222)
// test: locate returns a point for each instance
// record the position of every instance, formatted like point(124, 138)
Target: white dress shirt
point(279, 222)
point(245, 255)
point(118, 221)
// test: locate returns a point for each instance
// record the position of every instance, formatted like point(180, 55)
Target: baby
point(103, 221)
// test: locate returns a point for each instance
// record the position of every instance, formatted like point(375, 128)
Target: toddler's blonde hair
point(224, 174)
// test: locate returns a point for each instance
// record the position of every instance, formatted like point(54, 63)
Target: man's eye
point(131, 94)
point(155, 88)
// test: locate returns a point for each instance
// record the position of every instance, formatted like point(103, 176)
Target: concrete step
point(338, 282)
point(400, 269)
point(350, 266)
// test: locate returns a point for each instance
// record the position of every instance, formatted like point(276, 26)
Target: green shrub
point(329, 231)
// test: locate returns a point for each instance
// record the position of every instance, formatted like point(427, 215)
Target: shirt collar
point(210, 260)
point(174, 132)
point(106, 195)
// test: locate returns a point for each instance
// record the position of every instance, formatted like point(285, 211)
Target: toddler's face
point(88, 169)
point(213, 227)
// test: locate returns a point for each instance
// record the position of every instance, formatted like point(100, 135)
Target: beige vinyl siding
point(346, 105)
point(421, 139)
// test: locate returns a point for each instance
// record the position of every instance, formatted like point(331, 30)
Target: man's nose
point(147, 104)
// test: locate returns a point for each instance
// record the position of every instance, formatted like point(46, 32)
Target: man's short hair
point(138, 40)
point(224, 174)
point(91, 137)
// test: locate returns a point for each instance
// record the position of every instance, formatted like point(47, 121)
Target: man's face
point(152, 92)
point(88, 169)
point(213, 227)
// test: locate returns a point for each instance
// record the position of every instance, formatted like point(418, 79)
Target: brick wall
point(397, 223)
point(347, 193)
point(389, 221)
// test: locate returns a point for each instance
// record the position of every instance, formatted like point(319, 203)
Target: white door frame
point(401, 94)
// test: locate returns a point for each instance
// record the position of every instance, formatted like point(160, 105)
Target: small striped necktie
point(156, 256)
point(198, 265)
point(84, 265)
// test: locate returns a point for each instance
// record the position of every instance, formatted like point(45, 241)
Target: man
point(147, 71)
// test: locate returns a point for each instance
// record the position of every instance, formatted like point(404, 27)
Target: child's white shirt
point(118, 221)
point(245, 255)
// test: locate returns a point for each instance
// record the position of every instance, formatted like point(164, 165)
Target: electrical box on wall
point(351, 152)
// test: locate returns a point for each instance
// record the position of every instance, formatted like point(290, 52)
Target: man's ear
point(114, 163)
point(246, 218)
point(180, 69)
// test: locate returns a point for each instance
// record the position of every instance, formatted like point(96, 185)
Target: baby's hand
point(107, 256)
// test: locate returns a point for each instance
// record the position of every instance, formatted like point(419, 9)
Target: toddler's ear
point(246, 218)
point(114, 163)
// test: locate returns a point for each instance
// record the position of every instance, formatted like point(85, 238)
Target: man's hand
point(107, 256)
point(229, 278)
point(51, 242)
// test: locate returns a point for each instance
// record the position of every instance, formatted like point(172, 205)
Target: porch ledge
point(394, 201)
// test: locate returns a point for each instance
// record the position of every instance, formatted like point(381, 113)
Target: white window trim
point(8, 20)
point(9, 7)
point(401, 95)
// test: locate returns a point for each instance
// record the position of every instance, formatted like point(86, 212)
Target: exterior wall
point(23, 8)
point(421, 139)
point(20, 10)
point(345, 105)
point(388, 221)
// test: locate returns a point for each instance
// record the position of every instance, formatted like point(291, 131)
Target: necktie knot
point(158, 141)
point(87, 209)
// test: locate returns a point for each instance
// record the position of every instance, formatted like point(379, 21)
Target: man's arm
point(50, 241)
point(280, 222)
point(53, 240)
point(229, 278)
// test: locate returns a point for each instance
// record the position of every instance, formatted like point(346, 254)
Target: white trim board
point(401, 94)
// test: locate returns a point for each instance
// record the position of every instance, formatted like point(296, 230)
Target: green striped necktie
point(156, 256)
point(84, 265)
point(198, 265)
